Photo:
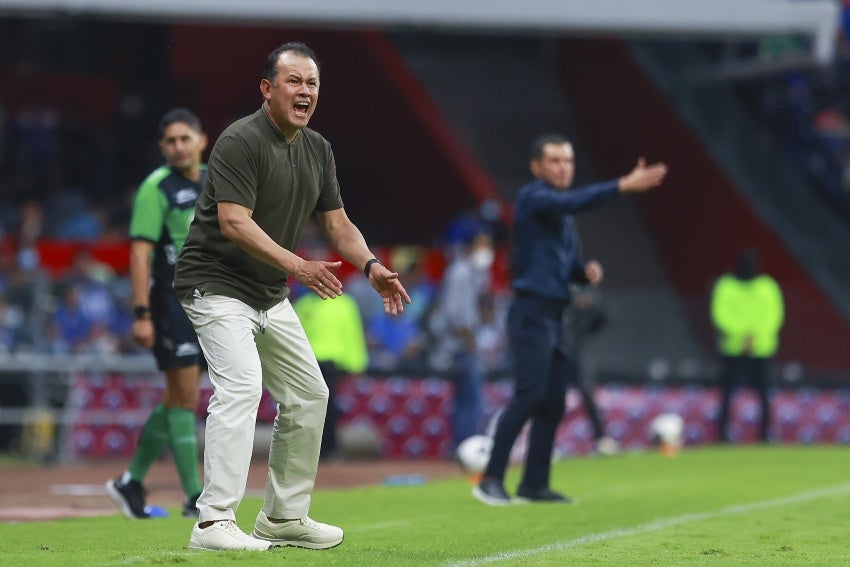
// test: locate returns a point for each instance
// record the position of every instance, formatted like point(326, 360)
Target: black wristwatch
point(368, 268)
point(140, 311)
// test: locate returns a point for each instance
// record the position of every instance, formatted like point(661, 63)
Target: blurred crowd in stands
point(406, 344)
point(85, 308)
point(68, 171)
point(807, 110)
point(64, 178)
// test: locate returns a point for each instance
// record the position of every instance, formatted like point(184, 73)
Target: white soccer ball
point(668, 428)
point(474, 453)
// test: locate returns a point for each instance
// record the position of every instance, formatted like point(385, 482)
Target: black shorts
point(176, 344)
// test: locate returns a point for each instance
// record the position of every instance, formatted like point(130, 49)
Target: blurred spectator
point(335, 331)
point(400, 344)
point(491, 339)
point(360, 290)
point(85, 224)
point(455, 323)
point(588, 318)
point(748, 311)
point(73, 323)
point(87, 267)
point(29, 230)
point(30, 224)
point(11, 321)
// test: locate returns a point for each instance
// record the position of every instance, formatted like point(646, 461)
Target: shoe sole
point(302, 544)
point(524, 500)
point(118, 499)
point(489, 500)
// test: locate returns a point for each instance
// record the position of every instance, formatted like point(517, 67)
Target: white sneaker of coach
point(225, 535)
point(301, 532)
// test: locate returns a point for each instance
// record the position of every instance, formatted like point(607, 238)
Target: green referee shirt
point(163, 207)
point(283, 183)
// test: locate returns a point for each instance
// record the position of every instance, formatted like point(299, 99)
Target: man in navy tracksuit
point(545, 261)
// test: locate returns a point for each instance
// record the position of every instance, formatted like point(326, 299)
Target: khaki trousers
point(245, 350)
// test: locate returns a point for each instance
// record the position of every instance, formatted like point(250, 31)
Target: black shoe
point(130, 498)
point(190, 508)
point(492, 492)
point(542, 495)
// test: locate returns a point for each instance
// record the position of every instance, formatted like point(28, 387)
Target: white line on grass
point(655, 525)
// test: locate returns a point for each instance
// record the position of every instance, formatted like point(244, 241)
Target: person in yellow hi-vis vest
point(747, 309)
point(335, 331)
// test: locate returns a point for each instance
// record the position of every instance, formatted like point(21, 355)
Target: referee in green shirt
point(163, 208)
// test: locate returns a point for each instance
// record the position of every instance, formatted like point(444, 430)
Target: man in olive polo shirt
point(268, 173)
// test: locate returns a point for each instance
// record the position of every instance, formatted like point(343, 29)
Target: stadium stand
point(404, 131)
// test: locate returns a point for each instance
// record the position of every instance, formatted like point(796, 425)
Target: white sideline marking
point(655, 525)
point(77, 489)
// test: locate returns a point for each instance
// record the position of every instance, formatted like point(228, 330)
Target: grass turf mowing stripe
point(656, 525)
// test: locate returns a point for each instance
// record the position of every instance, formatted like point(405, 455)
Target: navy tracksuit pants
point(540, 342)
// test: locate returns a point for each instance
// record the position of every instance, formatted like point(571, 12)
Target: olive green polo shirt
point(283, 183)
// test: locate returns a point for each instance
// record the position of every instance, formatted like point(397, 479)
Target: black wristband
point(139, 311)
point(368, 268)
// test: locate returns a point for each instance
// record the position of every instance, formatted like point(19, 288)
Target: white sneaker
point(222, 536)
point(302, 532)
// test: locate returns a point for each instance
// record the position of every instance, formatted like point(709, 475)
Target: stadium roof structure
point(815, 19)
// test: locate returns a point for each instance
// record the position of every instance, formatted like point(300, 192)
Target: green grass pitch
point(747, 505)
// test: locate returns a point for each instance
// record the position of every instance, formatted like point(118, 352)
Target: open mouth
point(301, 108)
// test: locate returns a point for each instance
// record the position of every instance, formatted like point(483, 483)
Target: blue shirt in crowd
point(546, 247)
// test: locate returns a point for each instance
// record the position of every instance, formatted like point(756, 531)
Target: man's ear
point(265, 88)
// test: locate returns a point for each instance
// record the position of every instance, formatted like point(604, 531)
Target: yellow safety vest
point(747, 308)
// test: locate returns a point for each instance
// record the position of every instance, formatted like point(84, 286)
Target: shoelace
point(309, 523)
point(231, 527)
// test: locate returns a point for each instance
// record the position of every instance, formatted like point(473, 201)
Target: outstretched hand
point(593, 272)
point(316, 275)
point(388, 285)
point(643, 177)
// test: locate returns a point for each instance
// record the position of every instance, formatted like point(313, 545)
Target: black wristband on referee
point(141, 311)
point(368, 268)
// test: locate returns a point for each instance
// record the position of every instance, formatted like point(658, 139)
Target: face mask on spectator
point(483, 258)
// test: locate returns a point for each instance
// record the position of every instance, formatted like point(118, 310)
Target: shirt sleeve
point(329, 197)
point(148, 214)
point(547, 201)
point(234, 172)
point(577, 272)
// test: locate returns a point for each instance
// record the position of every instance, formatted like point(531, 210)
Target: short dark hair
point(747, 263)
point(270, 71)
point(179, 115)
point(536, 151)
